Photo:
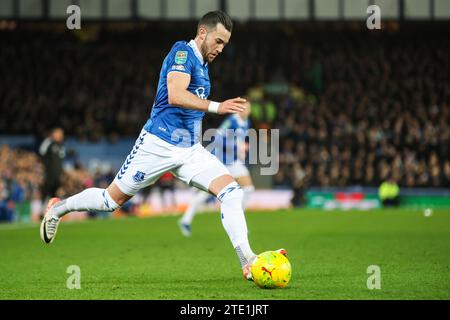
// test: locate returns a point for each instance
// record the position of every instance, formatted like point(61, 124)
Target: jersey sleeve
point(180, 60)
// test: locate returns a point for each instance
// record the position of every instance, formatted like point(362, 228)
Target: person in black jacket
point(52, 151)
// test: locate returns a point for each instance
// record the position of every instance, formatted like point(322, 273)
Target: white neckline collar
point(197, 53)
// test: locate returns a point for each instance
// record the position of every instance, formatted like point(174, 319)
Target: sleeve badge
point(181, 57)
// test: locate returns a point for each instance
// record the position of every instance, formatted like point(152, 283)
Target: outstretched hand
point(234, 105)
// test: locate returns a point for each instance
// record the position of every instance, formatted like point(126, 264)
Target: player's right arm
point(177, 87)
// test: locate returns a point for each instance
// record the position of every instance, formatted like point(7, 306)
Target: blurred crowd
point(21, 175)
point(379, 109)
point(353, 107)
point(22, 181)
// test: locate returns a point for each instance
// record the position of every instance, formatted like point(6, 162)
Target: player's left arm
point(177, 85)
point(178, 95)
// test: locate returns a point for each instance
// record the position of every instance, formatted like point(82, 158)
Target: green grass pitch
point(330, 252)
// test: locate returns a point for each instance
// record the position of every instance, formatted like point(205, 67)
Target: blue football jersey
point(232, 132)
point(176, 125)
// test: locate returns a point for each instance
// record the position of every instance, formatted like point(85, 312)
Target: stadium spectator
point(52, 151)
point(446, 177)
point(299, 185)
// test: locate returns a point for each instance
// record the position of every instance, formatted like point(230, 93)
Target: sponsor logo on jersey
point(200, 92)
point(178, 67)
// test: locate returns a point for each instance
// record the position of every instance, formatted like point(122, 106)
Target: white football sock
point(199, 198)
point(248, 190)
point(233, 220)
point(92, 199)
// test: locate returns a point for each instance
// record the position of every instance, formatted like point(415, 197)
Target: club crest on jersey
point(181, 57)
point(138, 176)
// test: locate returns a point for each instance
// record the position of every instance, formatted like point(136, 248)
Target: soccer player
point(230, 148)
point(169, 141)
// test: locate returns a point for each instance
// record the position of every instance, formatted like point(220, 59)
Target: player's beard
point(204, 50)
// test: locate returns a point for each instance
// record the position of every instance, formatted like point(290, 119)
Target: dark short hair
point(212, 18)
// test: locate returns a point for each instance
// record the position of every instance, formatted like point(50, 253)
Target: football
point(271, 270)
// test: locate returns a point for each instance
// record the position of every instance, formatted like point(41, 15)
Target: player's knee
point(232, 192)
point(117, 195)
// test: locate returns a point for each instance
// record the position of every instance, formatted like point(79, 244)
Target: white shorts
point(151, 157)
point(238, 169)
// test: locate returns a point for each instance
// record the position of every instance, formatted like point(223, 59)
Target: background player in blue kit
point(230, 147)
point(170, 141)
